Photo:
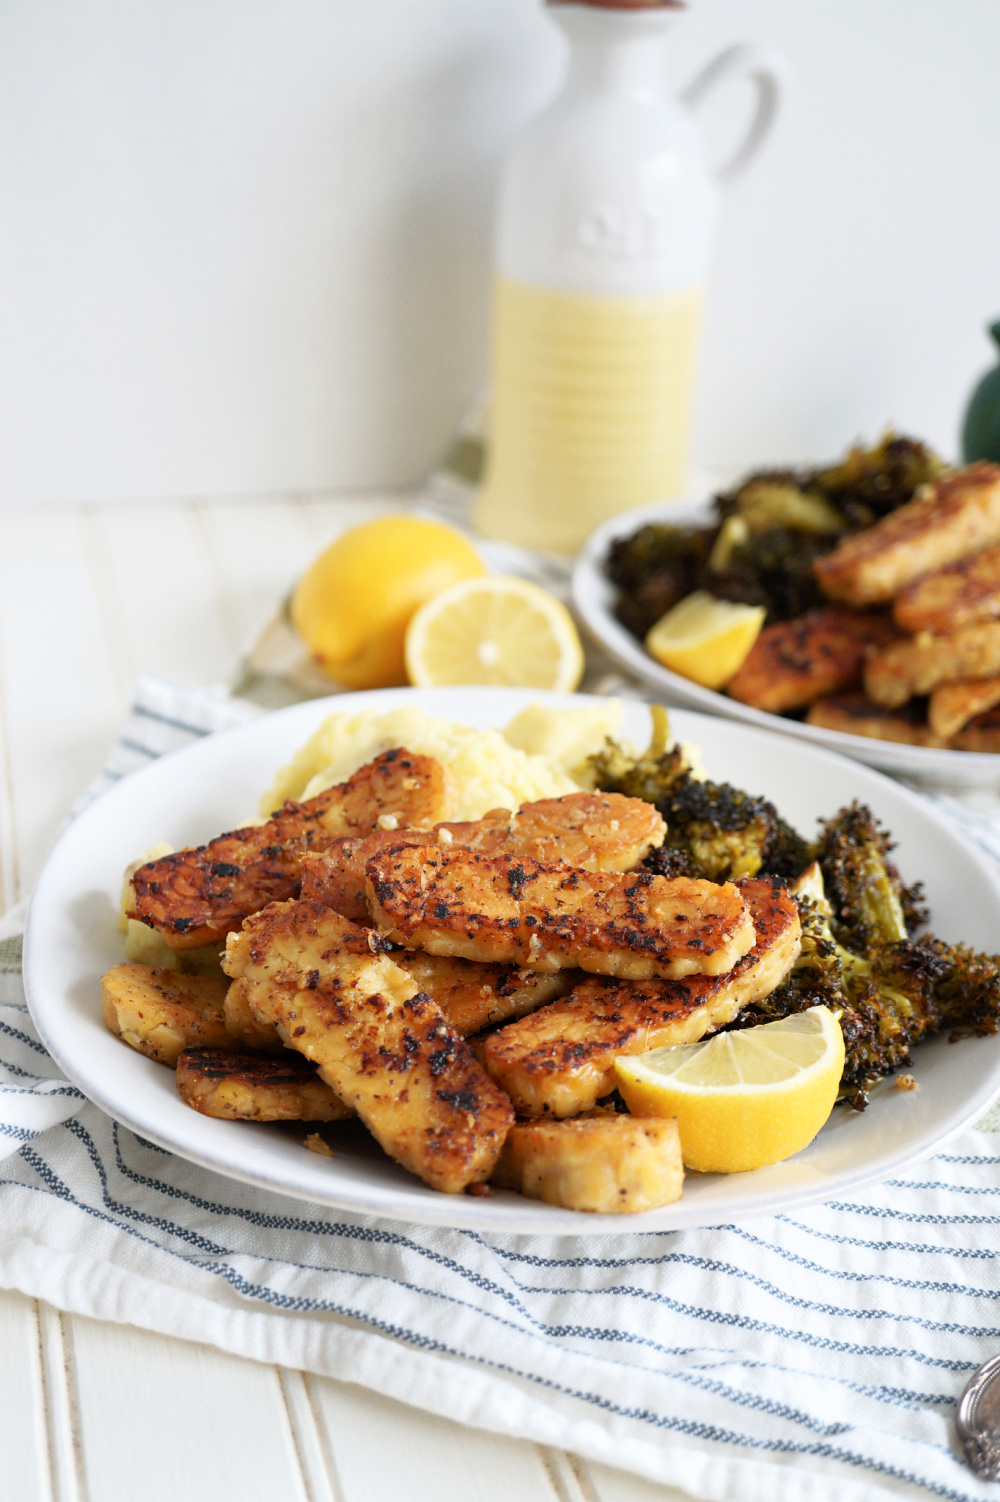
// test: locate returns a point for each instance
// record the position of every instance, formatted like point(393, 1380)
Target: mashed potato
point(541, 754)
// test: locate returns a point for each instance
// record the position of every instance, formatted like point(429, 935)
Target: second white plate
point(594, 597)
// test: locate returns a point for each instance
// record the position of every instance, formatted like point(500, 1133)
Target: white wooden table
point(93, 1412)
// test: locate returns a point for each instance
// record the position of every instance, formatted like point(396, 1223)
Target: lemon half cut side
point(495, 630)
point(705, 639)
point(743, 1099)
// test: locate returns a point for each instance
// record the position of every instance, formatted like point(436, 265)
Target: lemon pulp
point(495, 630)
point(705, 639)
point(742, 1099)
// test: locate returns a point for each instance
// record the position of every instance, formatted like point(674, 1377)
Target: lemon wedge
point(495, 630)
point(353, 604)
point(742, 1099)
point(705, 639)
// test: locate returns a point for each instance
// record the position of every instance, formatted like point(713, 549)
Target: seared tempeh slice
point(857, 715)
point(470, 996)
point(608, 1164)
point(594, 831)
point(561, 1059)
point(246, 1087)
point(383, 1046)
point(794, 662)
point(959, 595)
point(162, 1012)
point(953, 705)
point(917, 666)
point(195, 897)
point(953, 517)
point(981, 734)
point(475, 996)
point(241, 1023)
point(550, 917)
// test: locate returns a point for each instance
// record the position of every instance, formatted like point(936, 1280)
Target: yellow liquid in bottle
point(590, 411)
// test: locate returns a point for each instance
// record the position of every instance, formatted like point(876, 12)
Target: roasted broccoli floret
point(871, 906)
point(870, 483)
point(882, 1003)
point(656, 568)
point(772, 568)
point(714, 831)
point(888, 1000)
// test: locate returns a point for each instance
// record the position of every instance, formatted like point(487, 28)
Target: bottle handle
point(767, 72)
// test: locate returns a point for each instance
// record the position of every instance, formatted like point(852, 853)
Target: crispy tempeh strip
point(959, 595)
point(247, 1087)
point(856, 715)
point(159, 1012)
point(382, 1046)
point(918, 665)
point(195, 897)
point(548, 917)
point(475, 996)
point(953, 705)
point(980, 734)
point(794, 662)
point(594, 831)
point(607, 1164)
point(561, 1059)
point(470, 996)
point(952, 518)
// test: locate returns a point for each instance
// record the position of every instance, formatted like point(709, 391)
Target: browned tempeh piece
point(246, 1087)
point(195, 897)
point(382, 1046)
point(953, 705)
point(242, 1026)
point(471, 996)
point(918, 665)
point(608, 1164)
point(475, 996)
point(857, 715)
point(981, 734)
point(593, 831)
point(550, 917)
point(561, 1059)
point(794, 662)
point(953, 517)
point(162, 1012)
point(959, 595)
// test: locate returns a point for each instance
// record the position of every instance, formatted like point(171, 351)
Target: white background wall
point(243, 243)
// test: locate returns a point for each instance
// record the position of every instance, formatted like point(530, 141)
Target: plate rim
point(516, 1216)
point(591, 589)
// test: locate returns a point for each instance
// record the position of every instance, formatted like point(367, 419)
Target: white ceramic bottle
point(602, 243)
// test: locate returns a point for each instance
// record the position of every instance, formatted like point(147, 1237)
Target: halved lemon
point(705, 639)
point(495, 630)
point(742, 1099)
point(353, 604)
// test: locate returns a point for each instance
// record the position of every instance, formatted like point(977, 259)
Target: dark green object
point(981, 431)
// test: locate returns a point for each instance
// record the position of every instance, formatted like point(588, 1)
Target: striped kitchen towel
point(808, 1355)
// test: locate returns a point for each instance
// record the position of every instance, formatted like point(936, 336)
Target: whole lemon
point(353, 605)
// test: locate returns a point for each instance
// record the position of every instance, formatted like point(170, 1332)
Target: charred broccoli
point(772, 528)
point(858, 917)
point(655, 569)
point(888, 1000)
point(871, 906)
point(714, 831)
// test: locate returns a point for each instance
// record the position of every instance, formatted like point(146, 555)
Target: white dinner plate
point(187, 798)
point(594, 597)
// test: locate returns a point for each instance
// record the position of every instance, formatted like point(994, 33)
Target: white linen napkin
point(782, 1358)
